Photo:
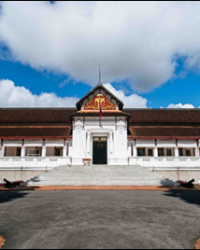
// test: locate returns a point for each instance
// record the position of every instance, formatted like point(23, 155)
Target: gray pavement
point(100, 219)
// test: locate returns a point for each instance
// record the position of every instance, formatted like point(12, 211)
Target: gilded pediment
point(94, 103)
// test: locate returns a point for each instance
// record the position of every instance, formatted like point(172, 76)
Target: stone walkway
point(100, 219)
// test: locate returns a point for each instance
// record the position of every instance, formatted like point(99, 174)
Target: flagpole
point(100, 115)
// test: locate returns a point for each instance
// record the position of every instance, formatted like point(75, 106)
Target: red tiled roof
point(56, 122)
point(164, 116)
point(61, 115)
point(165, 131)
point(26, 115)
point(42, 132)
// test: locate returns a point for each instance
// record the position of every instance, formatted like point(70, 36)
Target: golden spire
point(99, 75)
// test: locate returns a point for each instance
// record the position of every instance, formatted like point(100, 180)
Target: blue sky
point(58, 65)
point(179, 90)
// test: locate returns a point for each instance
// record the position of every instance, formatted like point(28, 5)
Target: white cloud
point(132, 101)
point(133, 40)
point(181, 106)
point(13, 96)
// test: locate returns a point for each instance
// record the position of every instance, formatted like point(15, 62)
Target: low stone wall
point(182, 175)
point(12, 175)
point(24, 175)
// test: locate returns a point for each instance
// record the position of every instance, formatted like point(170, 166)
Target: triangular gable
point(109, 99)
point(94, 103)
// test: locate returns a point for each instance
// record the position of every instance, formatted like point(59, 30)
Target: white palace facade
point(33, 141)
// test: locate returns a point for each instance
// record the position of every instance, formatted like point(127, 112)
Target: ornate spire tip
point(99, 75)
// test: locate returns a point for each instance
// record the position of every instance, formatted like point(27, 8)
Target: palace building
point(99, 131)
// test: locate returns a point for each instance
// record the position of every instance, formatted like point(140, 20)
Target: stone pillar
point(65, 149)
point(129, 149)
point(69, 148)
point(197, 149)
point(134, 149)
point(88, 144)
point(1, 149)
point(44, 148)
point(176, 151)
point(111, 143)
point(156, 149)
point(23, 149)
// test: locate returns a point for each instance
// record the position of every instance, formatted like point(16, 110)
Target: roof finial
point(99, 75)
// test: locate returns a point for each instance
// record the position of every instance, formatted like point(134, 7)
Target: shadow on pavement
point(191, 197)
point(7, 196)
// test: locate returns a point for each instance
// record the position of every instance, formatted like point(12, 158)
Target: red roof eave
point(35, 137)
point(163, 137)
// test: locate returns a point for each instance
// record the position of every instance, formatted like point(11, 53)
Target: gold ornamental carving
point(94, 104)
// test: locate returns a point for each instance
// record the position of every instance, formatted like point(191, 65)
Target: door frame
point(99, 136)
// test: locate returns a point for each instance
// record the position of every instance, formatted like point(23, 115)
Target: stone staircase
point(100, 175)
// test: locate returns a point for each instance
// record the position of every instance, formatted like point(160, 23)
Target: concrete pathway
point(100, 219)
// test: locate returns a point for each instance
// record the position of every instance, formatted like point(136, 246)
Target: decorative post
point(130, 152)
point(134, 149)
point(197, 149)
point(88, 144)
point(69, 146)
point(176, 149)
point(44, 148)
point(1, 149)
point(156, 149)
point(65, 148)
point(23, 149)
point(111, 144)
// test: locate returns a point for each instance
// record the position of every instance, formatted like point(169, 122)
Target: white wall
point(54, 143)
point(120, 139)
point(85, 130)
point(12, 143)
point(187, 143)
point(79, 139)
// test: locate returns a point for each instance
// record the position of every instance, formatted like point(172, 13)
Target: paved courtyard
point(100, 219)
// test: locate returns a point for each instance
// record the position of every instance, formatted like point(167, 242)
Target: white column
point(88, 144)
point(134, 149)
point(156, 149)
point(111, 143)
point(1, 149)
point(176, 151)
point(197, 149)
point(23, 149)
point(69, 148)
point(129, 149)
point(44, 148)
point(65, 148)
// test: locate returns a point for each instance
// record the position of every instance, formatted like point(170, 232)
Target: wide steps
point(96, 178)
point(100, 176)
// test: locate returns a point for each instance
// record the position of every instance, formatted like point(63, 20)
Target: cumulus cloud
point(181, 106)
point(14, 96)
point(131, 101)
point(135, 41)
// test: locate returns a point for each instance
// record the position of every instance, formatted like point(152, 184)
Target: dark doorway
point(100, 150)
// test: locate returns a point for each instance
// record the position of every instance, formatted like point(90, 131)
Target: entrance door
point(100, 150)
